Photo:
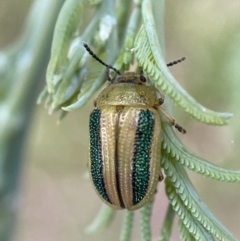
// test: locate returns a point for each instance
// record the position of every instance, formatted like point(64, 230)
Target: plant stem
point(29, 60)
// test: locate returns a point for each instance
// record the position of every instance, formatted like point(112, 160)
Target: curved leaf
point(103, 219)
point(92, 82)
point(63, 95)
point(189, 221)
point(145, 221)
point(125, 57)
point(150, 58)
point(167, 225)
point(179, 179)
point(186, 235)
point(127, 226)
point(68, 21)
point(172, 146)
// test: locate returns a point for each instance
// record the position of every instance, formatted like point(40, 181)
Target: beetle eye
point(142, 78)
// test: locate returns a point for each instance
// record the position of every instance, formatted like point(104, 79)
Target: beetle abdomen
point(124, 155)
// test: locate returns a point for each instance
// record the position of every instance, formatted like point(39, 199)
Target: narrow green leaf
point(180, 181)
point(43, 96)
point(127, 226)
point(61, 96)
point(150, 58)
point(68, 21)
point(103, 219)
point(61, 115)
point(145, 221)
point(186, 235)
point(93, 82)
point(123, 11)
point(69, 81)
point(125, 57)
point(189, 221)
point(172, 146)
point(167, 225)
point(77, 53)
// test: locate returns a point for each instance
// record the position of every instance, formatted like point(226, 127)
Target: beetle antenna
point(99, 60)
point(176, 62)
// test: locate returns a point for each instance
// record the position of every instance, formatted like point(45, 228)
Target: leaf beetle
point(125, 129)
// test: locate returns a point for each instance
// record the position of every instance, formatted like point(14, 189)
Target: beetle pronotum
point(125, 127)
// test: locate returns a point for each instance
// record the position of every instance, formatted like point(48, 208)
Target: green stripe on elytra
point(96, 154)
point(141, 158)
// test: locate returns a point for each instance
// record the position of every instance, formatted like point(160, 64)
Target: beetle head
point(130, 77)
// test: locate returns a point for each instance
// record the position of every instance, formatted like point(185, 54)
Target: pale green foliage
point(127, 226)
point(69, 19)
point(187, 203)
point(171, 145)
point(167, 225)
point(153, 64)
point(186, 235)
point(73, 78)
point(102, 220)
point(21, 66)
point(145, 222)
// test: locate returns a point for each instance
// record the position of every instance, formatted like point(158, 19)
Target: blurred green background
point(57, 202)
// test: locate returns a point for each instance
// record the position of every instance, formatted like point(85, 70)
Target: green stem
point(30, 56)
point(102, 220)
point(145, 221)
point(167, 225)
point(127, 227)
point(123, 12)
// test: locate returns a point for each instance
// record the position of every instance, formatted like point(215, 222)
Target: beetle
point(125, 139)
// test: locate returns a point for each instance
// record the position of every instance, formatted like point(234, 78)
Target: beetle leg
point(161, 177)
point(172, 121)
point(162, 98)
point(159, 101)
